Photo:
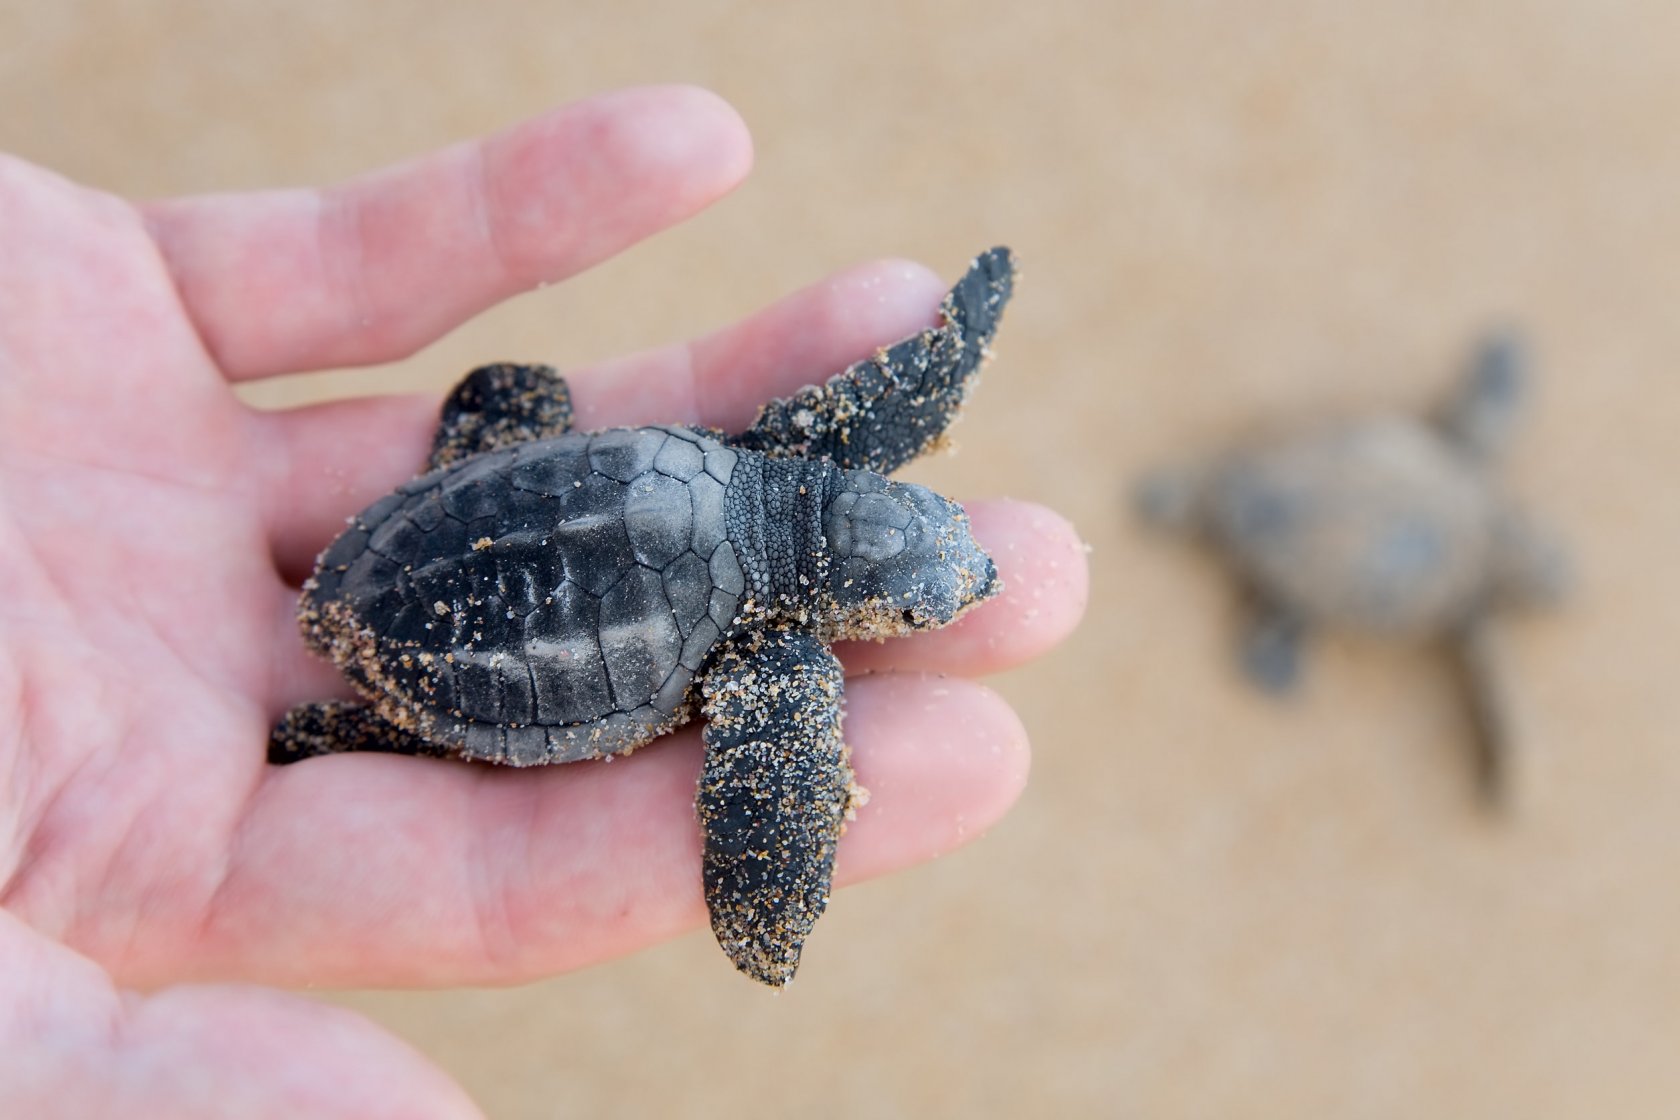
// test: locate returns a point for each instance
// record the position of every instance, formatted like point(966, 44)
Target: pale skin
point(153, 529)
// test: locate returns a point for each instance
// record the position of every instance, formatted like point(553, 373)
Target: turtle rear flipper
point(880, 413)
point(499, 405)
point(340, 727)
point(1271, 646)
point(1490, 710)
point(773, 796)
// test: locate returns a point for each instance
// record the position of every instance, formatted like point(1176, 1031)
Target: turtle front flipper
point(1481, 414)
point(339, 727)
point(884, 411)
point(773, 796)
point(497, 406)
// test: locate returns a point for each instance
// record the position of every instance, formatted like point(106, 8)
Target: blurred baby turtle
point(1386, 525)
point(540, 595)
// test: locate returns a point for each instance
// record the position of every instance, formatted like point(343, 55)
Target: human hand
point(152, 533)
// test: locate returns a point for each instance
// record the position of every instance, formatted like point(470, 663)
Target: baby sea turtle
point(1386, 525)
point(539, 596)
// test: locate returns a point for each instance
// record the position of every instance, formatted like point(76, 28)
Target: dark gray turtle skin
point(540, 596)
point(1384, 525)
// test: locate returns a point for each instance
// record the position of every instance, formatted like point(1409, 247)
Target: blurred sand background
point(1207, 904)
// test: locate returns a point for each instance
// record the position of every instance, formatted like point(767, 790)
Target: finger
point(71, 1044)
point(368, 271)
point(372, 870)
point(328, 461)
point(1046, 585)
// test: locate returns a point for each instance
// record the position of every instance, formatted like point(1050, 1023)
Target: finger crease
point(340, 250)
point(504, 881)
point(224, 876)
point(480, 191)
point(158, 232)
point(690, 376)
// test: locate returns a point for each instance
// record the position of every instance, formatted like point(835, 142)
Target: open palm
point(152, 533)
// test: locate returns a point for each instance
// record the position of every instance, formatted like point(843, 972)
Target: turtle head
point(903, 558)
